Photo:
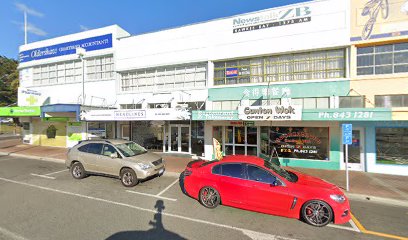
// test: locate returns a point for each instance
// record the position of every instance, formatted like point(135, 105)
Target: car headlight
point(338, 198)
point(144, 166)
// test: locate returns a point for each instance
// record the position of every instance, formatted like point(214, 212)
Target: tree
point(9, 81)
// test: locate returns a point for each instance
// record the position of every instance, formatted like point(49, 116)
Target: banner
point(136, 114)
point(217, 150)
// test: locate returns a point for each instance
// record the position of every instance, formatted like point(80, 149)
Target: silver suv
point(119, 158)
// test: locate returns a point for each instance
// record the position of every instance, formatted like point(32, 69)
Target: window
point(382, 59)
point(83, 148)
point(352, 102)
point(58, 73)
point(233, 170)
point(310, 143)
point(169, 77)
point(94, 148)
point(216, 169)
point(290, 67)
point(391, 146)
point(130, 106)
point(260, 175)
point(389, 101)
point(226, 105)
point(312, 103)
point(108, 150)
point(100, 68)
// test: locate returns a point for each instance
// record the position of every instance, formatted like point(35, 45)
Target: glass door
point(179, 138)
point(356, 151)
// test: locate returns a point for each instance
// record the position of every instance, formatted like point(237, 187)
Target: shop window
point(382, 59)
point(352, 102)
point(389, 101)
point(225, 105)
point(217, 133)
point(391, 146)
point(311, 143)
point(312, 103)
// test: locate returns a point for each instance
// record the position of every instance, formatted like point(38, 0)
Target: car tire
point(128, 177)
point(77, 170)
point(317, 213)
point(209, 197)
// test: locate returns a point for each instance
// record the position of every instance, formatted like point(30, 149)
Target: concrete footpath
point(381, 188)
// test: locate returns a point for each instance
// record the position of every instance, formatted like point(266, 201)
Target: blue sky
point(53, 18)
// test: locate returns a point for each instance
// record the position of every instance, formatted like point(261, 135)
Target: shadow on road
point(156, 232)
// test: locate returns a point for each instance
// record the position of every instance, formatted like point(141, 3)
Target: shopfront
point(157, 129)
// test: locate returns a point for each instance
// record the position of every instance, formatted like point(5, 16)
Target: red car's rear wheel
point(317, 213)
point(209, 197)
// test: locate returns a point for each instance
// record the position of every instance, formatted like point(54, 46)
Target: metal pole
point(83, 81)
point(347, 170)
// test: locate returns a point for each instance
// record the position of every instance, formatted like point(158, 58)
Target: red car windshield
point(290, 176)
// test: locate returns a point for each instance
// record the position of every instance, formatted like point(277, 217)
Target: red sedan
point(251, 183)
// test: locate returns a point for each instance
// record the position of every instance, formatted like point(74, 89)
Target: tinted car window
point(95, 148)
point(233, 170)
point(108, 150)
point(83, 148)
point(260, 175)
point(216, 169)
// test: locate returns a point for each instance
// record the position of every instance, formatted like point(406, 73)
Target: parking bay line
point(168, 187)
point(55, 172)
point(42, 176)
point(151, 195)
point(243, 230)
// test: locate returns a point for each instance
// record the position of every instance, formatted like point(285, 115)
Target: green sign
point(249, 124)
point(291, 90)
point(55, 119)
point(20, 111)
point(215, 115)
point(347, 114)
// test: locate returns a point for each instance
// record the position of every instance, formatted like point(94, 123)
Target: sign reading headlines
point(273, 18)
point(136, 114)
point(67, 48)
point(270, 113)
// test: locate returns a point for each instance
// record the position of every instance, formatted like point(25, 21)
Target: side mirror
point(275, 183)
point(114, 155)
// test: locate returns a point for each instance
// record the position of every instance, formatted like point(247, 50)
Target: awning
point(160, 98)
point(20, 111)
point(61, 108)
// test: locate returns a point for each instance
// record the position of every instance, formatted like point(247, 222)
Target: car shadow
point(156, 232)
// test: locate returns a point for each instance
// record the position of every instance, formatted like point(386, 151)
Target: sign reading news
point(89, 44)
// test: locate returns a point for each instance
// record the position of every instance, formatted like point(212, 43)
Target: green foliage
point(9, 81)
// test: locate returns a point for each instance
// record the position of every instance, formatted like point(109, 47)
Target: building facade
point(279, 81)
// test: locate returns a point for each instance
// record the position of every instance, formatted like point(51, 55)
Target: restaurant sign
point(271, 113)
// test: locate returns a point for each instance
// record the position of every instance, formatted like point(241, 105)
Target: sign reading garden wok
point(67, 48)
point(271, 113)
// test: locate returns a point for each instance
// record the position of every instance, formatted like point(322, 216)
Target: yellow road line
point(364, 230)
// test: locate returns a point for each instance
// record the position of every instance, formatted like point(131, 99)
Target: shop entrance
point(356, 150)
point(179, 138)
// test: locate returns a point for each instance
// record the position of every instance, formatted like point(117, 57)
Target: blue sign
point(231, 72)
point(89, 44)
point(347, 134)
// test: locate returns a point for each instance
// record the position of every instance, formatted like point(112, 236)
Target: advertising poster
point(378, 19)
point(300, 142)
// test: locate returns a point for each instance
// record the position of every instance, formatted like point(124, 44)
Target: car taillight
point(187, 173)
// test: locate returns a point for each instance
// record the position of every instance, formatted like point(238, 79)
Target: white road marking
point(11, 234)
point(151, 195)
point(342, 227)
point(168, 187)
point(43, 176)
point(354, 225)
point(263, 236)
point(141, 209)
point(65, 170)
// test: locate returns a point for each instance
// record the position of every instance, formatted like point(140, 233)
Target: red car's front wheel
point(209, 197)
point(317, 213)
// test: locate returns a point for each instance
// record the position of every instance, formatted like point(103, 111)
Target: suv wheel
point(128, 177)
point(77, 170)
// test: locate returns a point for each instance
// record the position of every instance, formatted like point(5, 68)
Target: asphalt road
point(40, 200)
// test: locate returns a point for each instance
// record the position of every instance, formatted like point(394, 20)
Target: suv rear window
point(95, 148)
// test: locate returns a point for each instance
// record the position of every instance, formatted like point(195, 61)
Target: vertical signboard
point(347, 140)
